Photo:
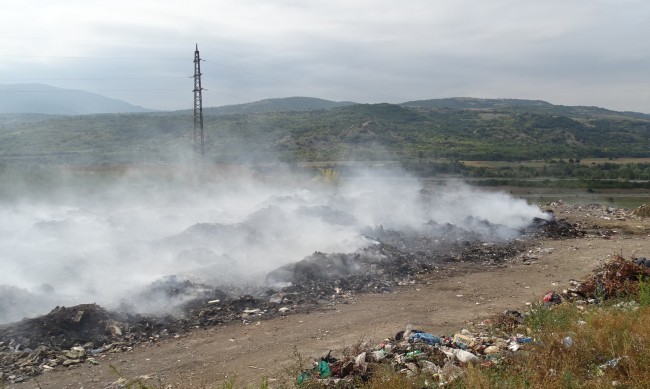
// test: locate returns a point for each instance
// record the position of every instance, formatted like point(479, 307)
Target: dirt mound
point(555, 229)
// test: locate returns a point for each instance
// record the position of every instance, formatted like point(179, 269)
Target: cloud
point(367, 51)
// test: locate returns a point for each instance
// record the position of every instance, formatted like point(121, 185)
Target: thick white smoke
point(105, 242)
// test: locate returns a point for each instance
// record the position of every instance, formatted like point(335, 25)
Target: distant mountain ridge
point(521, 105)
point(46, 99)
point(474, 102)
point(299, 104)
point(286, 104)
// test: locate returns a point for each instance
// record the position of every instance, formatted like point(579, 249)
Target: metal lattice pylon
point(199, 138)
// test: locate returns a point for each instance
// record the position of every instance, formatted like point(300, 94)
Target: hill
point(287, 104)
point(45, 99)
point(303, 129)
point(475, 103)
point(519, 105)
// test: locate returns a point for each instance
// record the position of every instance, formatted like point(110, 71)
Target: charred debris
point(72, 335)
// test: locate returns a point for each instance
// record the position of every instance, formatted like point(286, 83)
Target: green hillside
point(303, 129)
point(277, 105)
point(528, 106)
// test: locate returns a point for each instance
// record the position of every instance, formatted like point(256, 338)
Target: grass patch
point(597, 348)
point(644, 291)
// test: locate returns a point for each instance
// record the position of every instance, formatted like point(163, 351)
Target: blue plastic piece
point(425, 337)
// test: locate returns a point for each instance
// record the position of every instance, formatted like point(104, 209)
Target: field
point(539, 163)
point(618, 198)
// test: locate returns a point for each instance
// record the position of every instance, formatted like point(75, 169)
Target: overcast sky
point(572, 52)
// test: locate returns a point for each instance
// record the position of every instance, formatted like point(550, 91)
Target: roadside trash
point(465, 356)
point(441, 356)
point(413, 354)
point(568, 342)
point(611, 363)
point(324, 369)
point(303, 377)
point(425, 338)
point(552, 298)
point(360, 362)
point(378, 355)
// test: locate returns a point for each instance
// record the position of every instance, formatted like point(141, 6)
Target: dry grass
point(617, 278)
point(613, 334)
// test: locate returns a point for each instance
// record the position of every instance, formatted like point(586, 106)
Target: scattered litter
point(568, 342)
point(441, 356)
point(552, 298)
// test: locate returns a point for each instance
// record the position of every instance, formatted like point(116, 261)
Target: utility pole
point(199, 139)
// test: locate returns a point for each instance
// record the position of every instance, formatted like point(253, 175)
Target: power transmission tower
point(199, 139)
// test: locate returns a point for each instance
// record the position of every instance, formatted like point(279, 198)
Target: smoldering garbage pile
point(159, 260)
point(68, 336)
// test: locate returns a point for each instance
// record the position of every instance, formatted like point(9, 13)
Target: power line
point(96, 78)
point(91, 57)
point(90, 90)
point(180, 43)
point(95, 42)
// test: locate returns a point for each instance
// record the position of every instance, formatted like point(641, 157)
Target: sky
point(570, 52)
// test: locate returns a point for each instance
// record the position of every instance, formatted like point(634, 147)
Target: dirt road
point(441, 304)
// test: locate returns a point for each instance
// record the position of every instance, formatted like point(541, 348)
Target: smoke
point(116, 239)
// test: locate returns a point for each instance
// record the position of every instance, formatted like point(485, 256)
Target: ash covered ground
point(145, 261)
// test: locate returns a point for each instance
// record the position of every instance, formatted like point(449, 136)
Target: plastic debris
point(440, 356)
point(464, 356)
point(568, 342)
point(425, 338)
point(552, 298)
point(611, 363)
point(524, 339)
point(360, 362)
point(324, 370)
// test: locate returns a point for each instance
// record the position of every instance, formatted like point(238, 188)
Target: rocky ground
point(336, 301)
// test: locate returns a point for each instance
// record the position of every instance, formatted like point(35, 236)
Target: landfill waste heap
point(70, 336)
